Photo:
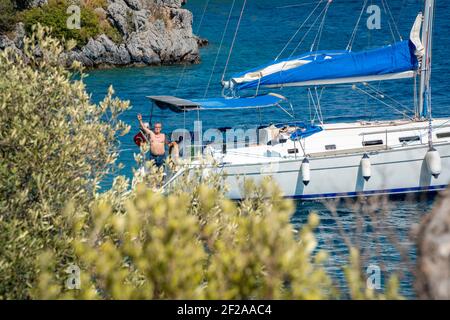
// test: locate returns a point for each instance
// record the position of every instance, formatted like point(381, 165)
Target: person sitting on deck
point(157, 142)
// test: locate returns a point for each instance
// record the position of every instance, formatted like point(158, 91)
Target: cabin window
point(282, 140)
point(443, 135)
point(291, 151)
point(330, 147)
point(372, 143)
point(409, 139)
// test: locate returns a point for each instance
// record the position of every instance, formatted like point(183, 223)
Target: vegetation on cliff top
point(54, 14)
point(7, 15)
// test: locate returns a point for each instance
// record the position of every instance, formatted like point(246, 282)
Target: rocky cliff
point(153, 32)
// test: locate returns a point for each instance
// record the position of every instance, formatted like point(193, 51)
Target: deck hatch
point(409, 139)
point(443, 135)
point(372, 143)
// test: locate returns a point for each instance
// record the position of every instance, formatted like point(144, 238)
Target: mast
point(425, 72)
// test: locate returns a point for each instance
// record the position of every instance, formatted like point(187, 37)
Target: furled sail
point(396, 61)
point(415, 37)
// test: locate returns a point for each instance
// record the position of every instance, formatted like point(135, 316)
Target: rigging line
point(320, 98)
point(234, 39)
point(386, 104)
point(310, 110)
point(311, 103)
point(308, 31)
point(416, 105)
point(353, 35)
point(402, 7)
point(393, 20)
point(379, 92)
point(315, 107)
point(220, 48)
point(389, 22)
point(319, 33)
point(298, 30)
point(296, 5)
point(198, 30)
point(319, 106)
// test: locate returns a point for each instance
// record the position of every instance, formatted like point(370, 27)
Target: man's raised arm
point(143, 127)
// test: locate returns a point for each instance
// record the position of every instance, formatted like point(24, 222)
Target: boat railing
point(403, 130)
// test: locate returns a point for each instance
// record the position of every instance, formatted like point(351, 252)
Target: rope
point(234, 39)
point(386, 4)
point(416, 104)
point(296, 5)
point(198, 30)
point(379, 100)
point(220, 48)
point(310, 109)
point(316, 107)
point(353, 36)
point(319, 107)
point(389, 22)
point(379, 92)
point(383, 95)
point(309, 30)
point(319, 33)
point(298, 30)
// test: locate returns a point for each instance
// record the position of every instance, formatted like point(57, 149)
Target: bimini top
point(180, 105)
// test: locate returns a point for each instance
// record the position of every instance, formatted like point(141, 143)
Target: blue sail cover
point(332, 67)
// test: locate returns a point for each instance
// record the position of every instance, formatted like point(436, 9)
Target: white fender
point(306, 174)
point(366, 167)
point(433, 161)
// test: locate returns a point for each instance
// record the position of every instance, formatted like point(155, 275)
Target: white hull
point(395, 168)
point(393, 172)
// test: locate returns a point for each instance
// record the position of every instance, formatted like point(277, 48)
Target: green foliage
point(95, 3)
point(55, 148)
point(54, 15)
point(7, 15)
point(139, 242)
point(196, 244)
point(158, 248)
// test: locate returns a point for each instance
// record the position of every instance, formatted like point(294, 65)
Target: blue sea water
point(265, 29)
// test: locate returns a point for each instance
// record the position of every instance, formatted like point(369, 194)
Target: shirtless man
point(157, 141)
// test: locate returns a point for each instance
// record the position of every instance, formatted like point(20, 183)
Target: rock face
point(17, 42)
point(153, 32)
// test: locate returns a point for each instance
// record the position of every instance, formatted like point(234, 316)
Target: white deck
point(398, 166)
point(347, 138)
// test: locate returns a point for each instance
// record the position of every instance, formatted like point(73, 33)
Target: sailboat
point(317, 161)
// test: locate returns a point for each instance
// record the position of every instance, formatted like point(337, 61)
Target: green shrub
point(158, 249)
point(196, 244)
point(7, 15)
point(54, 15)
point(55, 148)
point(95, 3)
